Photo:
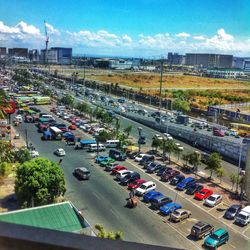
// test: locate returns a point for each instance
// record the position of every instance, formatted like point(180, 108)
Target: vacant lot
point(151, 80)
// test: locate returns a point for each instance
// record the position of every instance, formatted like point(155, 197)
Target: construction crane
point(46, 43)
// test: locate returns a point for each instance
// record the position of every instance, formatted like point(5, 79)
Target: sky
point(137, 28)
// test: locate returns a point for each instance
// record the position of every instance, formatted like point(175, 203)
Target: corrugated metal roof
point(60, 216)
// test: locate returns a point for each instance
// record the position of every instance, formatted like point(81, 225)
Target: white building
point(225, 73)
point(120, 64)
point(246, 67)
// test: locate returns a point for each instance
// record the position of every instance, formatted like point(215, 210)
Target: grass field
point(148, 80)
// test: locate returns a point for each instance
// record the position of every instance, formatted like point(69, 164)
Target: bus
point(242, 129)
point(42, 100)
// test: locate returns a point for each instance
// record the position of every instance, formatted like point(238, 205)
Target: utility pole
point(160, 100)
point(26, 137)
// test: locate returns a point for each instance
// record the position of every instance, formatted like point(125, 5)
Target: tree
point(213, 163)
point(233, 178)
point(104, 135)
point(242, 185)
point(39, 182)
point(221, 173)
point(3, 103)
point(128, 130)
point(22, 155)
point(181, 105)
point(170, 147)
point(195, 160)
point(67, 100)
point(6, 153)
point(109, 235)
point(156, 143)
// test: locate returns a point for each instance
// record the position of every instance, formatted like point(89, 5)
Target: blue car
point(101, 158)
point(185, 183)
point(169, 208)
point(151, 195)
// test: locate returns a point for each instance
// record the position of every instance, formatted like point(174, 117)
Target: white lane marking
point(97, 196)
point(180, 194)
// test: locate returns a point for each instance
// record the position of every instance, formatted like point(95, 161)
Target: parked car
point(177, 179)
point(217, 238)
point(213, 200)
point(232, 211)
point(151, 195)
point(101, 158)
point(60, 152)
point(111, 166)
point(117, 168)
point(153, 168)
point(203, 194)
point(169, 208)
point(146, 158)
point(139, 157)
point(194, 188)
point(117, 155)
point(201, 229)
point(185, 183)
point(122, 173)
point(82, 173)
point(159, 201)
point(168, 175)
point(106, 162)
point(35, 109)
point(129, 178)
point(145, 187)
point(135, 184)
point(162, 169)
point(132, 155)
point(34, 153)
point(179, 215)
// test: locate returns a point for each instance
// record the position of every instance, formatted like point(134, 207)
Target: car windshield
point(203, 192)
point(231, 210)
point(143, 187)
point(242, 216)
point(212, 198)
point(214, 237)
point(176, 213)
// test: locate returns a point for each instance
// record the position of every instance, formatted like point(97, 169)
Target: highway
point(102, 201)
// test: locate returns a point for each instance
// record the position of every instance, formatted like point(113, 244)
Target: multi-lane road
point(102, 200)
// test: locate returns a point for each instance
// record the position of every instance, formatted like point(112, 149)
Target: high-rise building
point(246, 66)
point(174, 58)
point(209, 60)
point(18, 52)
point(3, 51)
point(64, 55)
point(238, 62)
point(52, 56)
point(34, 55)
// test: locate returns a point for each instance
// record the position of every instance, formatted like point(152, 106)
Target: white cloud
point(198, 37)
point(222, 35)
point(183, 35)
point(51, 29)
point(127, 39)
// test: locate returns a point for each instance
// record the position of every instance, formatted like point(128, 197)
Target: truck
point(182, 119)
point(84, 144)
point(243, 218)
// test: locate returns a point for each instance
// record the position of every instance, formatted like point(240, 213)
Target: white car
point(19, 118)
point(34, 153)
point(213, 200)
point(156, 136)
point(120, 174)
point(139, 157)
point(60, 152)
point(145, 187)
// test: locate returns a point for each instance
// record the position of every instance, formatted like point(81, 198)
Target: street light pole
point(239, 165)
point(139, 139)
point(160, 100)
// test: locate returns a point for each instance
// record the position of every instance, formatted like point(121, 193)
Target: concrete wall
point(226, 148)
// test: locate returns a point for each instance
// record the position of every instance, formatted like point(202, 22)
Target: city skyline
point(146, 28)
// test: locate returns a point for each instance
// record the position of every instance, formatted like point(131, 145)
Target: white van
point(48, 117)
point(93, 148)
point(112, 143)
point(145, 187)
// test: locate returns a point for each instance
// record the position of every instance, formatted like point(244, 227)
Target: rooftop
point(60, 216)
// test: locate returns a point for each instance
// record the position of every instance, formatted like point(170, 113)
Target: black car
point(147, 164)
point(232, 211)
point(35, 109)
point(194, 188)
point(153, 168)
point(162, 169)
point(129, 178)
point(132, 155)
point(159, 201)
point(146, 158)
point(178, 178)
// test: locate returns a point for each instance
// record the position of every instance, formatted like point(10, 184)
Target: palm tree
point(213, 163)
point(3, 104)
point(128, 130)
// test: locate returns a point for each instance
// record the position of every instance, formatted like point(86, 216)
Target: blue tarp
point(85, 142)
point(47, 134)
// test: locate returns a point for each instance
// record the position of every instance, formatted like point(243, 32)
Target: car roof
point(205, 189)
point(219, 231)
point(149, 182)
point(215, 195)
point(182, 210)
point(83, 169)
point(235, 206)
point(200, 224)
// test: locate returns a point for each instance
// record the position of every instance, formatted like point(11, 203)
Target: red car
point(117, 169)
point(168, 175)
point(135, 184)
point(203, 194)
point(53, 109)
point(72, 127)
